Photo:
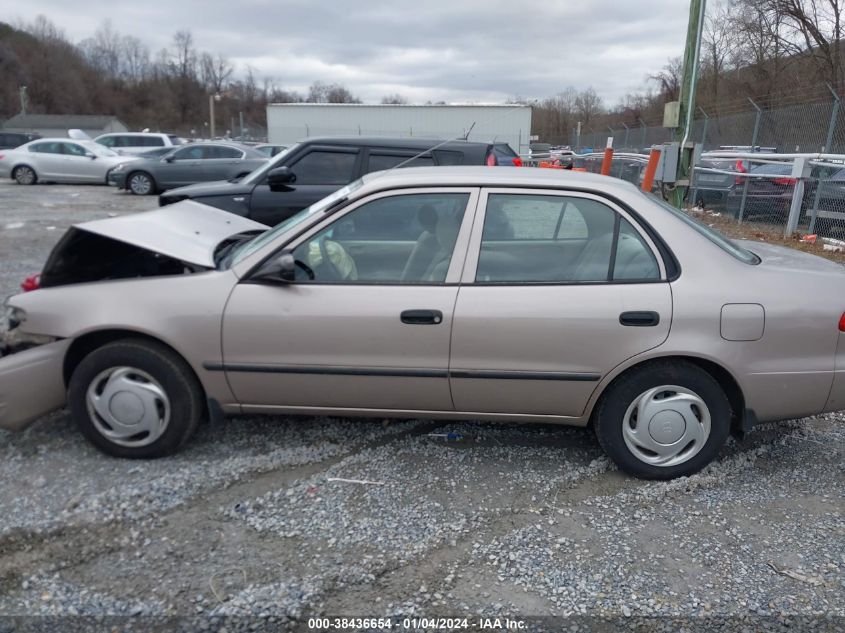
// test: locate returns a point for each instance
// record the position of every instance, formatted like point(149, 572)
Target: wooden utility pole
point(689, 85)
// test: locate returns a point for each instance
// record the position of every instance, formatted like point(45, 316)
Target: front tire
point(141, 183)
point(25, 175)
point(663, 420)
point(135, 398)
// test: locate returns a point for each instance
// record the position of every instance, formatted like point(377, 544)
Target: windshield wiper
point(226, 247)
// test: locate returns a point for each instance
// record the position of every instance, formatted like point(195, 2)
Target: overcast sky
point(451, 50)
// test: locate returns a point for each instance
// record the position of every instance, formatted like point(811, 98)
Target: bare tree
point(216, 71)
point(816, 25)
point(588, 105)
point(135, 59)
point(320, 92)
point(394, 99)
point(669, 79)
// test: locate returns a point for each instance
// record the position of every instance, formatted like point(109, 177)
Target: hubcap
point(140, 184)
point(666, 425)
point(25, 176)
point(128, 406)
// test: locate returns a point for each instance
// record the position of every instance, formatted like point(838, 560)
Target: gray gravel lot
point(257, 518)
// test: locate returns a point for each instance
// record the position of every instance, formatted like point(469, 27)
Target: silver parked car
point(452, 292)
point(59, 160)
point(187, 165)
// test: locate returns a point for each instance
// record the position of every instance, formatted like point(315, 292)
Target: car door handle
point(645, 318)
point(422, 317)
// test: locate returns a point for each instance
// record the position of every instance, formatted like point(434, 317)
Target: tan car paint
point(788, 372)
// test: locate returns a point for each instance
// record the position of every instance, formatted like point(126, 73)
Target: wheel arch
point(18, 166)
point(146, 172)
point(729, 384)
point(88, 342)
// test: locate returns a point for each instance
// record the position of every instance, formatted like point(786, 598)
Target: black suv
point(11, 140)
point(312, 169)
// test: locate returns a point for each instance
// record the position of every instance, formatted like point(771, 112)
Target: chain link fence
point(808, 127)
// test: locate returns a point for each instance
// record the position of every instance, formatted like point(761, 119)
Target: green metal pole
point(689, 84)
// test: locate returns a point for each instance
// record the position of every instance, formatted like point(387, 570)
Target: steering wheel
point(309, 272)
point(332, 267)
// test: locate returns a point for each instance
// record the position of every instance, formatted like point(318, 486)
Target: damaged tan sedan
point(448, 293)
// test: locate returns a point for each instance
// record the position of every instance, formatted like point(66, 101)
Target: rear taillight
point(2, 157)
point(784, 181)
point(33, 282)
point(842, 323)
point(740, 167)
point(517, 162)
point(491, 160)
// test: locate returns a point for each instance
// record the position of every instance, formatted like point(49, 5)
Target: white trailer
point(291, 122)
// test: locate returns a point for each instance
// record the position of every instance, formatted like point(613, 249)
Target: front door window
point(398, 239)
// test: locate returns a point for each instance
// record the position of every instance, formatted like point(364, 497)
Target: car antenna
point(456, 138)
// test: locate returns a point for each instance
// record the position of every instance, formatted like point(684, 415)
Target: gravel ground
point(262, 522)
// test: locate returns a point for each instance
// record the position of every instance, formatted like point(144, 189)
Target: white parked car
point(138, 142)
point(59, 160)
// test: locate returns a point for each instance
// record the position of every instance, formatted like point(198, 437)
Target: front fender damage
point(12, 338)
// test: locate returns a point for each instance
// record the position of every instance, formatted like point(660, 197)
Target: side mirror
point(91, 155)
point(287, 267)
point(280, 177)
point(281, 269)
point(168, 159)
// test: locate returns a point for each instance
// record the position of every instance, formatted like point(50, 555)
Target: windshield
point(248, 248)
point(257, 175)
point(97, 149)
point(711, 234)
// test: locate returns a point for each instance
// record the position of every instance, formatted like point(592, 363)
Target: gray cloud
point(452, 50)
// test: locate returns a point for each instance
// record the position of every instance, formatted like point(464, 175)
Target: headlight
point(120, 167)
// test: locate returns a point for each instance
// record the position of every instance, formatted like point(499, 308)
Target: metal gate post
point(642, 125)
point(694, 176)
point(753, 145)
point(627, 129)
point(831, 128)
point(800, 171)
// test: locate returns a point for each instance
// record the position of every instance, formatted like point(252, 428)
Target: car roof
point(398, 143)
point(135, 134)
point(482, 176)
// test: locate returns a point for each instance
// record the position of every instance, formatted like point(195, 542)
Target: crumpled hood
point(187, 231)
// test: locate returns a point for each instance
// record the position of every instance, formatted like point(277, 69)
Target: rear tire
point(141, 183)
point(135, 398)
point(25, 175)
point(685, 420)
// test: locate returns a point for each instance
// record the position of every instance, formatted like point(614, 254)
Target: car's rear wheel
point(25, 175)
point(141, 183)
point(135, 398)
point(663, 420)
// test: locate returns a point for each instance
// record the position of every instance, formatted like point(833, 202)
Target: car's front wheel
point(25, 175)
point(141, 183)
point(663, 420)
point(135, 398)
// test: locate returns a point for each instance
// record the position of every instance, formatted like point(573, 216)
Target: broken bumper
point(31, 384)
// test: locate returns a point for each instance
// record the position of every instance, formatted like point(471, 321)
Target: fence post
point(800, 172)
point(627, 129)
point(753, 145)
point(692, 167)
point(831, 128)
point(642, 125)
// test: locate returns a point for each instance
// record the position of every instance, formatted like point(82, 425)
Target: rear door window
point(46, 148)
point(379, 161)
point(222, 151)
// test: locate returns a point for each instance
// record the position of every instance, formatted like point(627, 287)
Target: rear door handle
point(639, 319)
point(422, 317)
